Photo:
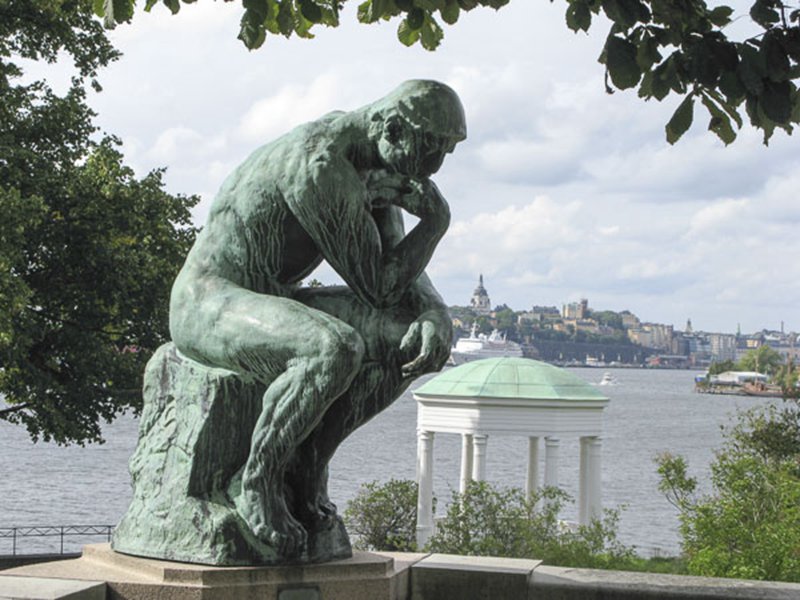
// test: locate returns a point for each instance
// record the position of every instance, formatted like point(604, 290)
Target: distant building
point(576, 310)
point(541, 314)
point(629, 320)
point(723, 346)
point(652, 335)
point(480, 302)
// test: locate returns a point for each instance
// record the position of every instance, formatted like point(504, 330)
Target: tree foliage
point(762, 360)
point(661, 47)
point(384, 516)
point(88, 251)
point(749, 526)
point(489, 521)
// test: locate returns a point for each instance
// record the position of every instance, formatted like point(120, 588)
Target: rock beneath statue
point(194, 439)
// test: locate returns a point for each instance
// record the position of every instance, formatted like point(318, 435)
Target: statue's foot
point(319, 515)
point(269, 520)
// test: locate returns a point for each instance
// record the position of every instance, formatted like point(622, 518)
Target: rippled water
point(650, 412)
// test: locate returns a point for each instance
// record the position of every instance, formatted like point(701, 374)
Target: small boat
point(608, 379)
point(763, 390)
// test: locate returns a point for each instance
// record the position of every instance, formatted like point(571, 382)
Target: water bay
point(650, 412)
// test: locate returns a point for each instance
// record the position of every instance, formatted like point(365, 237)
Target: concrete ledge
point(558, 583)
point(38, 588)
point(366, 576)
point(445, 576)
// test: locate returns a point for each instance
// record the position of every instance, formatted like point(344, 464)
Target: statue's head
point(416, 126)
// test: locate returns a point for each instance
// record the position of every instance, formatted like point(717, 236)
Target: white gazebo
point(509, 396)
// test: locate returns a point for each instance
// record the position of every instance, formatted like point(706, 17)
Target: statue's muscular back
point(251, 237)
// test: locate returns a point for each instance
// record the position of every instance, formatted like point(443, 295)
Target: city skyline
point(560, 191)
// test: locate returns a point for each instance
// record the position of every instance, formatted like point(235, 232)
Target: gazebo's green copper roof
point(509, 377)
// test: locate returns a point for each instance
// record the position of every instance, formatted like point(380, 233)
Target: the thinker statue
point(327, 359)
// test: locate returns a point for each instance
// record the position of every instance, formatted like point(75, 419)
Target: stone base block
point(365, 576)
point(14, 587)
point(446, 576)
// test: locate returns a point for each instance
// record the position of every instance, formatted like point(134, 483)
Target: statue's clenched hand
point(430, 336)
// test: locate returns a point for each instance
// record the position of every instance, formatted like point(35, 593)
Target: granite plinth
point(36, 588)
point(365, 576)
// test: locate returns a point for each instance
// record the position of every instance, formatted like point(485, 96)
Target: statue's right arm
point(332, 205)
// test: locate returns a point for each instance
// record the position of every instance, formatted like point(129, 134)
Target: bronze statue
point(327, 359)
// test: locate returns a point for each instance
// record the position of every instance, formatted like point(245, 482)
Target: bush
point(488, 521)
point(384, 516)
point(749, 526)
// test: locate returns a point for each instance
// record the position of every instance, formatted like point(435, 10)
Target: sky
point(560, 192)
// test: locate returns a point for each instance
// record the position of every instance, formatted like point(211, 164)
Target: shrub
point(384, 516)
point(749, 525)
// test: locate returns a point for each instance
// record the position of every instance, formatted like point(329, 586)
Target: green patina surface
point(265, 378)
point(509, 377)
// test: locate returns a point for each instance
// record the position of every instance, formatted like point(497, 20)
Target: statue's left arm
point(430, 335)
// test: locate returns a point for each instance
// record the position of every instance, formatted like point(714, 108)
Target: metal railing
point(60, 531)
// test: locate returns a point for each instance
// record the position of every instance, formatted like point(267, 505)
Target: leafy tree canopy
point(658, 46)
point(87, 251)
point(762, 359)
point(749, 526)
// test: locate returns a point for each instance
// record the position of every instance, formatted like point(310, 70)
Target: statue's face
point(411, 151)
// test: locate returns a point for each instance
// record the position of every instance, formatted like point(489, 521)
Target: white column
point(479, 457)
point(425, 482)
point(583, 482)
point(551, 446)
point(594, 490)
point(466, 461)
point(532, 481)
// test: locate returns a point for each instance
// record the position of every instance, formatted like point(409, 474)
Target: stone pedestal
point(365, 576)
point(194, 438)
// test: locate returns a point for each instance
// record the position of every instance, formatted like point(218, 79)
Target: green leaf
point(429, 5)
point(751, 69)
point(99, 7)
point(123, 10)
point(310, 11)
point(467, 4)
point(626, 13)
point(579, 17)
point(406, 34)
point(621, 62)
point(663, 78)
point(720, 15)
point(173, 5)
point(404, 5)
point(776, 101)
point(285, 18)
point(763, 12)
point(730, 85)
point(149, 5)
point(720, 122)
point(681, 120)
point(450, 12)
point(259, 8)
point(775, 57)
point(647, 53)
point(251, 30)
point(432, 34)
point(416, 18)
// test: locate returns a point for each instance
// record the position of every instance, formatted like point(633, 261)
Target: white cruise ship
point(478, 346)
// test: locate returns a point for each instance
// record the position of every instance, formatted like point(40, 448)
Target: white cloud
point(292, 105)
point(560, 191)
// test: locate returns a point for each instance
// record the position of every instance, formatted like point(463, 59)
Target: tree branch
point(12, 409)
